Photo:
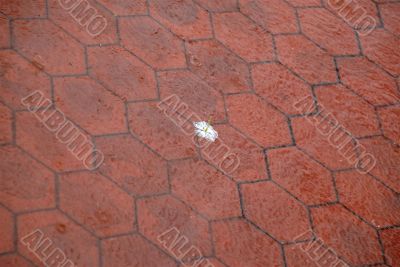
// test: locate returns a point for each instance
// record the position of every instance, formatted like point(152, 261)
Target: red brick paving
point(244, 64)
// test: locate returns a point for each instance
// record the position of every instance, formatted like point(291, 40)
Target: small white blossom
point(205, 130)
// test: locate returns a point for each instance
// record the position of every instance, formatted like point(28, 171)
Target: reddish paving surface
point(288, 194)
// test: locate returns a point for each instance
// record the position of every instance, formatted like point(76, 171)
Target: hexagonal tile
point(340, 230)
point(238, 243)
point(87, 21)
point(381, 47)
point(368, 198)
point(387, 156)
point(159, 131)
point(5, 124)
point(220, 68)
point(207, 262)
point(25, 183)
point(216, 196)
point(250, 165)
point(132, 165)
point(97, 203)
point(78, 245)
point(39, 141)
point(90, 105)
point(133, 250)
point(218, 5)
point(12, 260)
point(367, 80)
point(297, 255)
point(157, 215)
point(301, 176)
point(185, 18)
point(328, 31)
point(202, 99)
point(49, 47)
point(5, 29)
point(280, 87)
point(24, 8)
point(258, 120)
point(151, 42)
point(352, 112)
point(334, 149)
point(6, 231)
point(390, 18)
point(355, 13)
point(389, 116)
point(124, 8)
point(305, 3)
point(245, 38)
point(274, 15)
point(390, 240)
point(275, 211)
point(306, 59)
point(20, 79)
point(128, 77)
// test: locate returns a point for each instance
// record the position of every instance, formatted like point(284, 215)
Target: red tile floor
point(84, 79)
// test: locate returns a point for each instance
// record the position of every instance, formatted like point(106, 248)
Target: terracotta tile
point(274, 15)
point(258, 120)
point(216, 196)
point(19, 78)
point(390, 239)
point(368, 198)
point(201, 98)
point(306, 59)
point(132, 165)
point(308, 254)
point(235, 155)
point(368, 80)
point(5, 124)
point(159, 131)
point(387, 156)
point(151, 42)
point(280, 87)
point(44, 43)
point(5, 30)
point(157, 215)
point(25, 184)
point(77, 244)
point(6, 230)
point(390, 19)
point(33, 136)
point(328, 31)
point(334, 149)
point(133, 250)
point(255, 43)
point(124, 8)
point(389, 117)
point(340, 230)
point(97, 203)
point(206, 262)
point(301, 176)
point(88, 21)
point(351, 111)
point(217, 66)
point(185, 18)
point(305, 3)
point(275, 211)
point(219, 5)
point(126, 76)
point(90, 105)
point(24, 8)
point(357, 14)
point(14, 260)
point(381, 47)
point(238, 243)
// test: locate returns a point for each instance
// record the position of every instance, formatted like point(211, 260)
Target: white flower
point(205, 130)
